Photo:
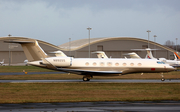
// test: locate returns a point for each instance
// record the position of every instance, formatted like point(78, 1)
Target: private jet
point(174, 63)
point(2, 63)
point(89, 67)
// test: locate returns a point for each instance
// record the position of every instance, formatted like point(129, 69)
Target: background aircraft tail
point(100, 54)
point(133, 55)
point(149, 54)
point(176, 56)
point(31, 49)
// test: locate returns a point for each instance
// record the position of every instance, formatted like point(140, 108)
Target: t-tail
point(31, 49)
point(149, 54)
point(176, 56)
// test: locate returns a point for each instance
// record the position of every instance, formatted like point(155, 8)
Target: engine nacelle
point(60, 61)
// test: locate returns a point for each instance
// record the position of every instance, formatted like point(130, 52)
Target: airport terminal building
point(114, 47)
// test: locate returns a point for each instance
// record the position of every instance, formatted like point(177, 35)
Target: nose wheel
point(86, 79)
point(162, 79)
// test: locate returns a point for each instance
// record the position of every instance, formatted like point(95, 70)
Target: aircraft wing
point(48, 64)
point(88, 72)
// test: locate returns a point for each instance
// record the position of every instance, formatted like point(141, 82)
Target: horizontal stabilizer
point(19, 42)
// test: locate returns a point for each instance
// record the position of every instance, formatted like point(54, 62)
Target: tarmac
point(141, 106)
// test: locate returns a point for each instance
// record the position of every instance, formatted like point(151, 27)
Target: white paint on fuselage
point(113, 64)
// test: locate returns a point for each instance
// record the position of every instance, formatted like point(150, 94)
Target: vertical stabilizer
point(176, 56)
point(31, 49)
point(100, 54)
point(149, 53)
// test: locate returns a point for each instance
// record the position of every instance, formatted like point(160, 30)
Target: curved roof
point(78, 44)
point(39, 41)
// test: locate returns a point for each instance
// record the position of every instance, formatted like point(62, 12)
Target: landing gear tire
point(86, 79)
point(162, 79)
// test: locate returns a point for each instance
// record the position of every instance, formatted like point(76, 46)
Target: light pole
point(148, 37)
point(176, 44)
point(89, 40)
point(70, 47)
point(155, 43)
point(9, 52)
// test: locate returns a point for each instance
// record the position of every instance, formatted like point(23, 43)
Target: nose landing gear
point(163, 79)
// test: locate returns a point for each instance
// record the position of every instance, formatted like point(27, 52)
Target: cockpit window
point(160, 62)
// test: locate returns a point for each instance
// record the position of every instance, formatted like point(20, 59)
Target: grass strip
point(21, 68)
point(170, 75)
point(80, 92)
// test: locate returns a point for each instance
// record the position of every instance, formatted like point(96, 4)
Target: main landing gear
point(163, 79)
point(87, 78)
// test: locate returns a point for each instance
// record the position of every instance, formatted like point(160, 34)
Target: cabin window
point(109, 64)
point(132, 64)
point(86, 63)
point(94, 64)
point(102, 64)
point(160, 62)
point(117, 64)
point(124, 64)
point(139, 64)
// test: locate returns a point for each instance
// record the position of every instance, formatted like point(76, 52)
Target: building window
point(144, 46)
point(100, 47)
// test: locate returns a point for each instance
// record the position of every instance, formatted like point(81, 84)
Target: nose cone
point(170, 68)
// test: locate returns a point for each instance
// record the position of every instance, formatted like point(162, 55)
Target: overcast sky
point(55, 21)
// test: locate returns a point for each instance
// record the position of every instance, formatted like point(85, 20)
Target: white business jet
point(101, 54)
point(174, 63)
point(2, 62)
point(59, 54)
point(89, 67)
point(133, 55)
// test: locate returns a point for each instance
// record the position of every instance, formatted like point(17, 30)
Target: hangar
point(114, 47)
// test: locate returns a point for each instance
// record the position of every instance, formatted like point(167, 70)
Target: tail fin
point(176, 55)
point(149, 53)
point(133, 55)
point(59, 54)
point(100, 54)
point(31, 49)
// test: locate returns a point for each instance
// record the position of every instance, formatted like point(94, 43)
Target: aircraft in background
point(101, 54)
point(89, 67)
point(174, 63)
point(2, 63)
point(133, 55)
point(59, 54)
point(177, 57)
